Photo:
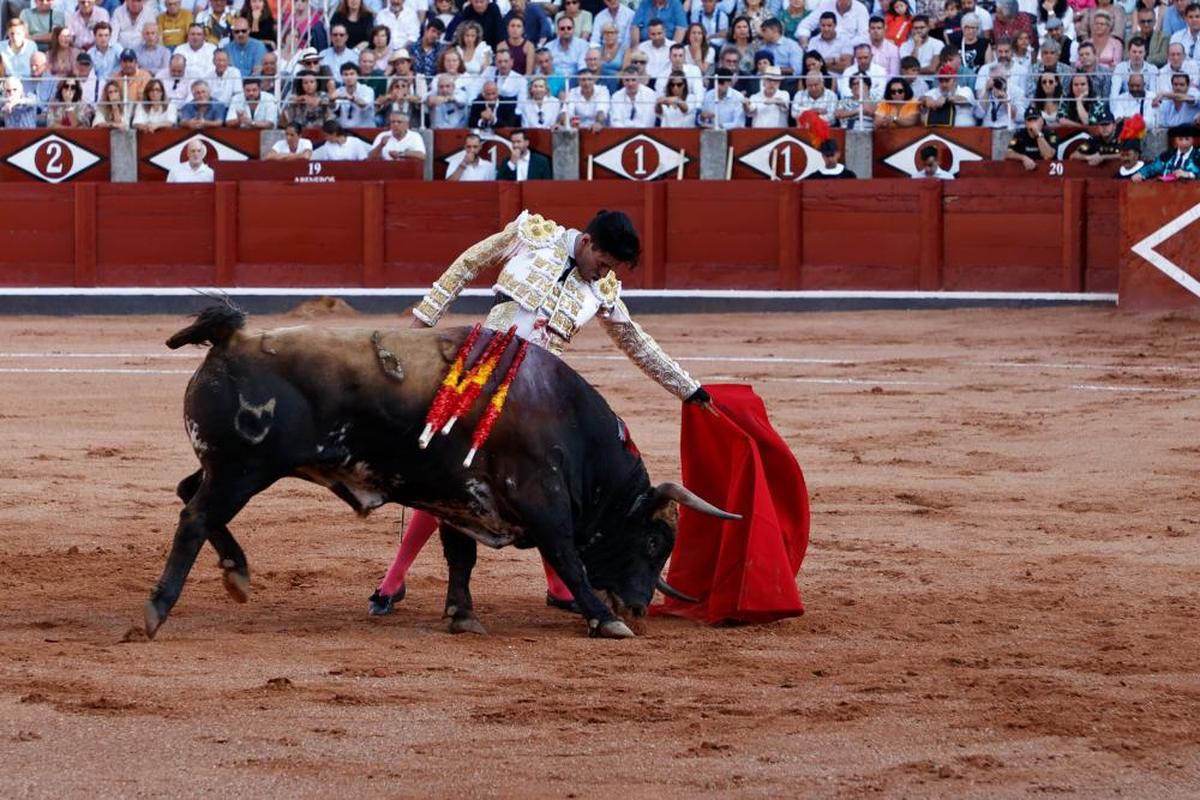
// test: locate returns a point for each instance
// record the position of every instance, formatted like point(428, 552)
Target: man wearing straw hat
point(553, 280)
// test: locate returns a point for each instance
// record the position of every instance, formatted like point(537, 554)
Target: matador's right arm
point(489, 252)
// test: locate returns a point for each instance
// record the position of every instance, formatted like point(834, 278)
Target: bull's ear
point(449, 348)
point(653, 505)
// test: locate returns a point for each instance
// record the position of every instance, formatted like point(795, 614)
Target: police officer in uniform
point(1103, 146)
point(1032, 144)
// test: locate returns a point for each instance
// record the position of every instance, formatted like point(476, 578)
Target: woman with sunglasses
point(67, 109)
point(898, 109)
point(673, 109)
point(1047, 98)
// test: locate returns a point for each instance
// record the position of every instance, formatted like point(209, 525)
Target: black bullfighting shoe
point(380, 604)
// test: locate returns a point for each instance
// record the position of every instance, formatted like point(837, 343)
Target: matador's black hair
point(613, 233)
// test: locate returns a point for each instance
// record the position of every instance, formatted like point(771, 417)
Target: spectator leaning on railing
point(68, 109)
point(253, 107)
point(292, 147)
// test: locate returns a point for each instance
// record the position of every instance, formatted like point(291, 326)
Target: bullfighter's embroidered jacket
point(542, 293)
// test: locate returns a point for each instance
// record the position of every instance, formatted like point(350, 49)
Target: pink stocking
point(554, 584)
point(420, 528)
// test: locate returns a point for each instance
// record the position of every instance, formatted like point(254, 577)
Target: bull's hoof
point(613, 629)
point(236, 583)
point(153, 619)
point(562, 605)
point(467, 624)
point(380, 604)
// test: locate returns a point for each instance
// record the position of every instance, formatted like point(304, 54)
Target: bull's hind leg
point(235, 571)
point(460, 557)
point(215, 502)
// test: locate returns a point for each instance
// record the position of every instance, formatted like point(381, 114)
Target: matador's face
point(593, 262)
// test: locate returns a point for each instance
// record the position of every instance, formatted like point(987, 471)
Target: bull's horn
point(673, 593)
point(686, 497)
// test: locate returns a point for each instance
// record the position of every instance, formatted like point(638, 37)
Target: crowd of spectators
point(593, 64)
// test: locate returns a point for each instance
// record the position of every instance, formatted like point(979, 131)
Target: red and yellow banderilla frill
point(496, 405)
point(447, 395)
point(479, 375)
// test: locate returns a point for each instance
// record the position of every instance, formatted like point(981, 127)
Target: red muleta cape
point(744, 570)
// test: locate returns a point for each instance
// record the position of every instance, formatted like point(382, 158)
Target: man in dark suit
point(489, 112)
point(523, 164)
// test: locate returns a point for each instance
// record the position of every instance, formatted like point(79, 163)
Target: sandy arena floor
point(1002, 587)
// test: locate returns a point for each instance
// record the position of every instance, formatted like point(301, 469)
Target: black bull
point(344, 409)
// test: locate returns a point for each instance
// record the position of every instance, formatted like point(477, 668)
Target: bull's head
point(631, 572)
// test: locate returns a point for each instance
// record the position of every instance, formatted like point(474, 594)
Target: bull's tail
point(214, 325)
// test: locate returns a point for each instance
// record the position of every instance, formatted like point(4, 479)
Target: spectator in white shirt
point(224, 81)
point(921, 46)
point(1177, 61)
point(400, 18)
point(1134, 99)
point(864, 67)
point(931, 167)
point(398, 142)
point(128, 20)
point(292, 147)
point(196, 51)
point(1135, 64)
point(617, 14)
point(194, 170)
point(831, 45)
point(471, 166)
point(354, 101)
point(816, 96)
point(677, 108)
point(657, 50)
point(177, 80)
point(851, 18)
point(678, 65)
point(252, 107)
point(587, 105)
point(768, 108)
point(632, 106)
point(1189, 36)
point(340, 147)
point(540, 110)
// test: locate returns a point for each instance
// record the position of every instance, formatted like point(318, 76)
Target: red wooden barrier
point(971, 234)
point(640, 155)
point(54, 156)
point(1159, 242)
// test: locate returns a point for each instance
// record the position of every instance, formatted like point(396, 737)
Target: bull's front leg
point(460, 551)
point(561, 554)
